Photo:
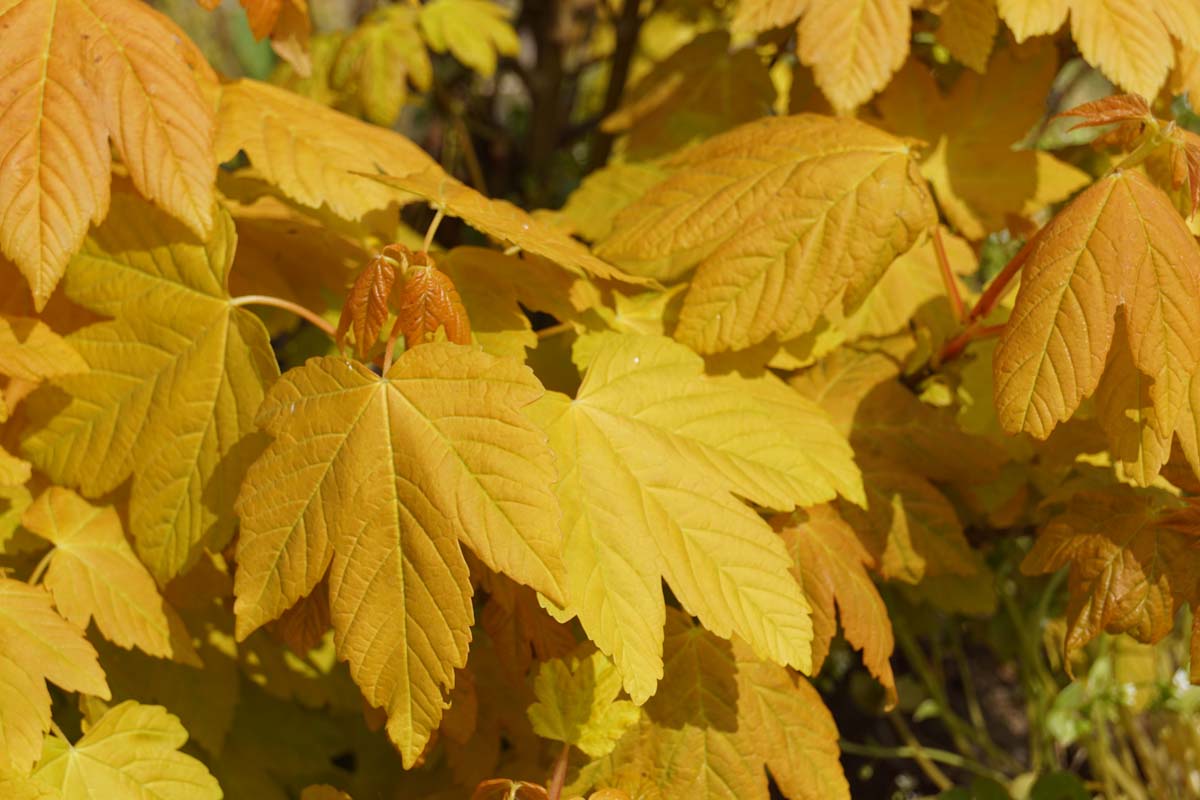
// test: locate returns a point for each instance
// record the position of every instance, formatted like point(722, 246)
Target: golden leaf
point(74, 75)
point(968, 30)
point(379, 58)
point(475, 32)
point(854, 47)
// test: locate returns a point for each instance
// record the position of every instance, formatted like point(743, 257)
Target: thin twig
point(286, 305)
point(560, 774)
point(36, 577)
point(432, 229)
point(948, 279)
point(919, 755)
point(933, 754)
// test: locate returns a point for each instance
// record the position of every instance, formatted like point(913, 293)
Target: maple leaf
point(37, 645)
point(174, 382)
point(435, 451)
point(428, 302)
point(651, 452)
point(699, 90)
point(854, 48)
point(977, 176)
point(830, 562)
point(379, 58)
point(719, 718)
point(595, 203)
point(132, 751)
point(75, 75)
point(474, 31)
point(494, 286)
point(503, 221)
point(310, 151)
point(968, 30)
point(1133, 559)
point(578, 705)
point(30, 350)
point(1119, 246)
point(20, 787)
point(94, 573)
point(783, 216)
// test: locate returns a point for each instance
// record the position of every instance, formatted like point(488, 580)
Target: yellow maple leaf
point(476, 32)
point(1133, 562)
point(490, 285)
point(593, 206)
point(1029, 18)
point(701, 89)
point(854, 47)
point(755, 208)
point(756, 16)
point(21, 787)
point(1121, 245)
point(578, 705)
point(174, 382)
point(37, 645)
point(132, 751)
point(379, 58)
point(977, 176)
point(651, 454)
point(968, 30)
point(310, 151)
point(30, 350)
point(504, 221)
point(75, 75)
point(93, 572)
point(831, 563)
point(435, 452)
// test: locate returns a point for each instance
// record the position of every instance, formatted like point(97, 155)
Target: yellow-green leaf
point(131, 752)
point(475, 32)
point(310, 151)
point(651, 455)
point(1120, 246)
point(174, 383)
point(379, 58)
point(783, 216)
point(381, 477)
point(75, 75)
point(578, 705)
point(94, 573)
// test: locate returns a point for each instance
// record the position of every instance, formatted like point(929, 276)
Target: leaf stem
point(36, 577)
point(287, 305)
point(956, 301)
point(999, 286)
point(919, 755)
point(560, 773)
point(432, 230)
point(932, 754)
point(555, 330)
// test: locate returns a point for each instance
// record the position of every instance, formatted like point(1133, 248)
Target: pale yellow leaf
point(476, 32)
point(578, 705)
point(131, 752)
point(1126, 39)
point(1029, 18)
point(24, 717)
point(854, 47)
point(756, 16)
point(310, 151)
point(94, 573)
point(73, 76)
point(20, 787)
point(174, 382)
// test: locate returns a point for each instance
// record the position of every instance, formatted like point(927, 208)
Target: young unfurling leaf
point(366, 307)
point(428, 302)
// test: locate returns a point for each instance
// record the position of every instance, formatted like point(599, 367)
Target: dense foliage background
point(592, 398)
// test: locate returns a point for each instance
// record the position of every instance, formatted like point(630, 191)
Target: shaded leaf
point(578, 705)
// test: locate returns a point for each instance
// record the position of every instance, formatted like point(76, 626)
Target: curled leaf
point(366, 307)
point(428, 301)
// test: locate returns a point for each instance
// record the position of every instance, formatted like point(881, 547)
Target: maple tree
point(610, 400)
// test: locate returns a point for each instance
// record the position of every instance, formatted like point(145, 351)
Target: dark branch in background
point(629, 26)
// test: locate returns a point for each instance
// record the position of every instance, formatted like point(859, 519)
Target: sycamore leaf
point(970, 161)
point(174, 382)
point(76, 74)
point(1029, 18)
point(756, 16)
point(1121, 245)
point(520, 630)
point(1126, 412)
point(474, 31)
point(133, 752)
point(595, 203)
point(94, 573)
point(783, 216)
point(1133, 562)
point(37, 645)
point(719, 718)
point(379, 58)
point(831, 563)
point(492, 287)
point(428, 302)
point(699, 90)
point(854, 47)
point(366, 307)
point(30, 350)
point(310, 151)
point(578, 705)
point(22, 787)
point(1117, 108)
point(968, 30)
point(651, 455)
point(436, 451)
point(504, 221)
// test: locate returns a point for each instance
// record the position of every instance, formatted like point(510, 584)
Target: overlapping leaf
point(651, 453)
point(1120, 246)
point(380, 478)
point(173, 383)
point(132, 751)
point(783, 216)
point(578, 705)
point(380, 58)
point(73, 76)
point(37, 645)
point(476, 32)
